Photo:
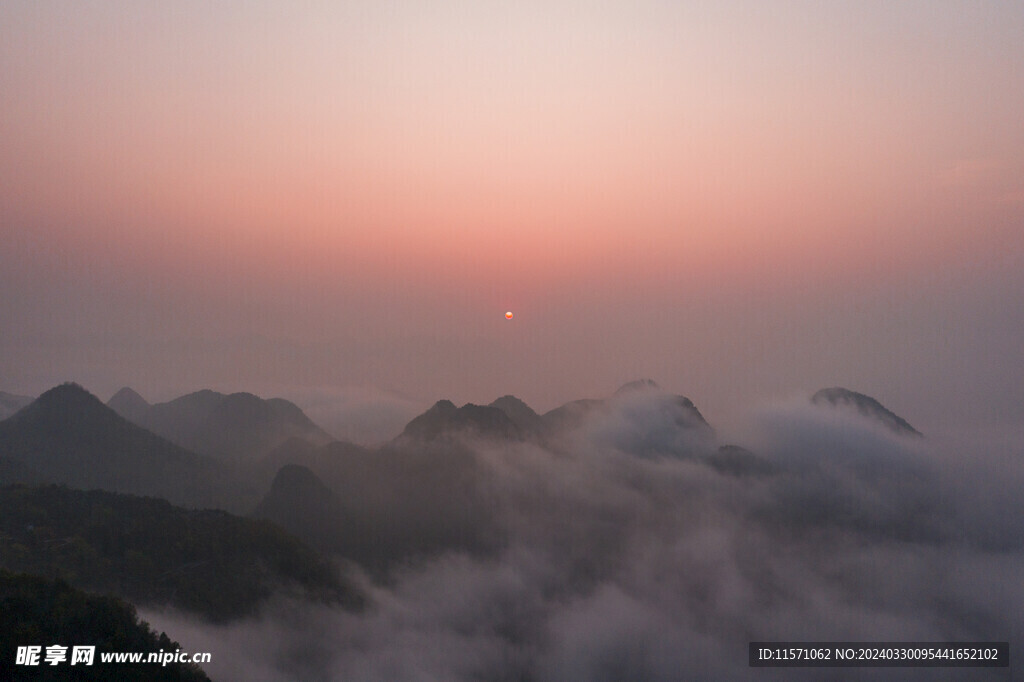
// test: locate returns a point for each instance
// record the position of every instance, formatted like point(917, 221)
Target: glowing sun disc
point(508, 315)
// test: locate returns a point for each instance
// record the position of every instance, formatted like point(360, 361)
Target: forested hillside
point(153, 553)
point(42, 612)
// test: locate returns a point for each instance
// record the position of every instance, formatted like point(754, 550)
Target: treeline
point(151, 552)
point(42, 612)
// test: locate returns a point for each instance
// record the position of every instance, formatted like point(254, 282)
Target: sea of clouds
point(621, 553)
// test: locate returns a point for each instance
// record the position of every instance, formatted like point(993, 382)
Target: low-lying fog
point(629, 552)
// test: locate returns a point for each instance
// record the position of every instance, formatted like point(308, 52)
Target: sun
point(508, 315)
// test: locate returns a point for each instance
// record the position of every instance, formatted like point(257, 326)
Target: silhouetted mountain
point(444, 420)
point(644, 420)
point(150, 552)
point(39, 611)
point(640, 418)
point(295, 483)
point(688, 414)
point(521, 414)
point(509, 418)
point(239, 428)
point(185, 414)
point(128, 404)
point(864, 405)
point(570, 415)
point(68, 436)
point(385, 507)
point(326, 461)
point(300, 502)
point(574, 412)
point(11, 403)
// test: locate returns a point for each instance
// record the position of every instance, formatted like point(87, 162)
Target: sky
point(740, 200)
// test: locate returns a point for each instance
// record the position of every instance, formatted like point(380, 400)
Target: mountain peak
point(68, 403)
point(521, 414)
point(865, 405)
point(444, 419)
point(638, 385)
point(66, 409)
point(128, 404)
point(61, 391)
point(237, 428)
point(69, 436)
point(127, 393)
point(509, 400)
point(294, 481)
point(297, 495)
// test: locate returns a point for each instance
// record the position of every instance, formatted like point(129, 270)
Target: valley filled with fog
point(613, 538)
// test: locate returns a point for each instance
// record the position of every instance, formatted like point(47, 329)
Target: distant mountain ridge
point(521, 414)
point(428, 491)
point(129, 404)
point(445, 420)
point(866, 406)
point(236, 428)
point(574, 413)
point(571, 414)
point(68, 436)
point(509, 418)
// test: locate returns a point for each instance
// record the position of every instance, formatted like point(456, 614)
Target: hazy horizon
point(372, 418)
point(743, 202)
